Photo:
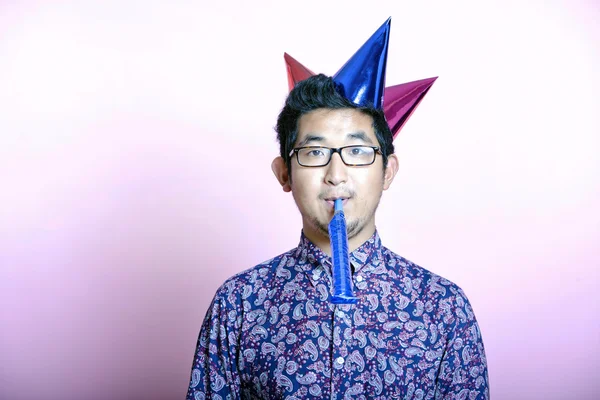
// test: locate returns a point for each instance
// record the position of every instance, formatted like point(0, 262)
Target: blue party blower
point(342, 277)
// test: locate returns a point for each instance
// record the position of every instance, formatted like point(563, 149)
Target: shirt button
point(340, 314)
point(339, 360)
point(359, 278)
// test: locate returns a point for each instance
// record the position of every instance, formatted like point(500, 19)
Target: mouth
point(331, 201)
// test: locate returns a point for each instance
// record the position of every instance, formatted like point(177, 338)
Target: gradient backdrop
point(135, 147)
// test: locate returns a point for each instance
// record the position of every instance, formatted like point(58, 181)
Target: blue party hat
point(362, 79)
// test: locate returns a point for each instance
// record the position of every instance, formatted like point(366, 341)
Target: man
point(272, 331)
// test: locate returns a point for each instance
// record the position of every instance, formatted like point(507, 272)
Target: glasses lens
point(358, 155)
point(313, 156)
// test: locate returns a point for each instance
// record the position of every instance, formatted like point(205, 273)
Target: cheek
point(306, 181)
point(369, 184)
point(306, 187)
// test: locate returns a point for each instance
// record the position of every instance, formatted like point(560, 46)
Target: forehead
point(335, 124)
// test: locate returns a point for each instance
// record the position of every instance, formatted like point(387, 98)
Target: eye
point(315, 153)
point(357, 151)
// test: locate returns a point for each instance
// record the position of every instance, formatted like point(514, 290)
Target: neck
point(321, 240)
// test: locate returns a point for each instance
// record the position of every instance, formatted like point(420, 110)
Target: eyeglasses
point(318, 156)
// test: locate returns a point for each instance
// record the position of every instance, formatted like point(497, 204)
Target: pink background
point(135, 144)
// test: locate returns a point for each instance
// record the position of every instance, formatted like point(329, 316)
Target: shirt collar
point(309, 255)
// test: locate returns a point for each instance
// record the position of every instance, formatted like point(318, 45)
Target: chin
point(354, 228)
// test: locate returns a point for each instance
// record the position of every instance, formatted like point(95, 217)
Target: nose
point(337, 172)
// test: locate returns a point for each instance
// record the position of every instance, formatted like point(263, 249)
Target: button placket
point(342, 322)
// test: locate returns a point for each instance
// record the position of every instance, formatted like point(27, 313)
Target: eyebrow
point(310, 138)
point(359, 135)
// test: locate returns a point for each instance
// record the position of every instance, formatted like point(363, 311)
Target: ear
point(281, 173)
point(390, 171)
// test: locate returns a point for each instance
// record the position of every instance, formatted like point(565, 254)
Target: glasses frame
point(333, 150)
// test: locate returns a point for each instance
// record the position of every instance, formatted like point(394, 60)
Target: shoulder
point(250, 281)
point(418, 275)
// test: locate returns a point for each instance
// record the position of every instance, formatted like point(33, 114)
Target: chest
point(303, 346)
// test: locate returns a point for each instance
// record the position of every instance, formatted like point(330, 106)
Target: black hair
point(316, 92)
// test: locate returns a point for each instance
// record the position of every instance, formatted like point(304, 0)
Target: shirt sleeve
point(214, 370)
point(463, 371)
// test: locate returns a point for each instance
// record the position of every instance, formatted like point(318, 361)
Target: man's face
point(315, 188)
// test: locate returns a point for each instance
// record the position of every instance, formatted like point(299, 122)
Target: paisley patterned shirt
point(271, 332)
